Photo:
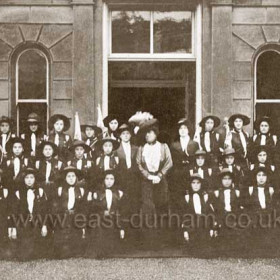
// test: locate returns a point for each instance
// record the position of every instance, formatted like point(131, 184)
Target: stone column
point(83, 59)
point(222, 100)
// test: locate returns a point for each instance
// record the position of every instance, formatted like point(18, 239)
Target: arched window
point(267, 85)
point(31, 86)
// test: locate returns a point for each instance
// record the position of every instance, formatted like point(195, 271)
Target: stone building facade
point(63, 56)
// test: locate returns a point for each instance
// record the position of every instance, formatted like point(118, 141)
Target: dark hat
point(28, 171)
point(124, 127)
point(261, 169)
point(68, 169)
point(226, 171)
point(200, 153)
point(145, 126)
point(246, 120)
point(196, 176)
point(97, 129)
point(258, 122)
point(216, 120)
point(53, 119)
point(229, 151)
point(33, 118)
point(109, 118)
point(111, 172)
point(261, 148)
point(14, 140)
point(183, 121)
point(6, 120)
point(45, 143)
point(100, 143)
point(79, 143)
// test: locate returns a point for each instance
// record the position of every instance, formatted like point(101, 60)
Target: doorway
point(164, 89)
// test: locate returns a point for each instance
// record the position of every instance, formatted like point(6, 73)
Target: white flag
point(78, 133)
point(100, 122)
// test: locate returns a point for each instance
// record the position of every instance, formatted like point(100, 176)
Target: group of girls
point(69, 196)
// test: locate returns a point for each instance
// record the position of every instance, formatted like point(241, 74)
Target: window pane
point(130, 32)
point(32, 75)
point(268, 82)
point(24, 109)
point(172, 32)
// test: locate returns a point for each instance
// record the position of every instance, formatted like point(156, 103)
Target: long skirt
point(155, 213)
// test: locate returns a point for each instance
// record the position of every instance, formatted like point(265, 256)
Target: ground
point(163, 268)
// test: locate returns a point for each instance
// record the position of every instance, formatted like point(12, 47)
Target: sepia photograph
point(139, 139)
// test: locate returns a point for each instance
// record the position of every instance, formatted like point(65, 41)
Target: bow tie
point(30, 188)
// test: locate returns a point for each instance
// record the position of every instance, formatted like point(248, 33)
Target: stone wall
point(65, 31)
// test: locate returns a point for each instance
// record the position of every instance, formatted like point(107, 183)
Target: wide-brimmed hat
point(183, 121)
point(68, 169)
point(246, 120)
point(145, 126)
point(258, 122)
point(216, 120)
point(6, 120)
point(124, 127)
point(14, 140)
point(196, 176)
point(109, 118)
point(98, 145)
point(97, 129)
point(47, 143)
point(200, 153)
point(29, 170)
point(33, 118)
point(79, 143)
point(53, 119)
point(226, 171)
point(229, 151)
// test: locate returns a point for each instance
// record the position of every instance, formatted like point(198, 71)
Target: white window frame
point(151, 54)
point(195, 56)
point(256, 100)
point(22, 101)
